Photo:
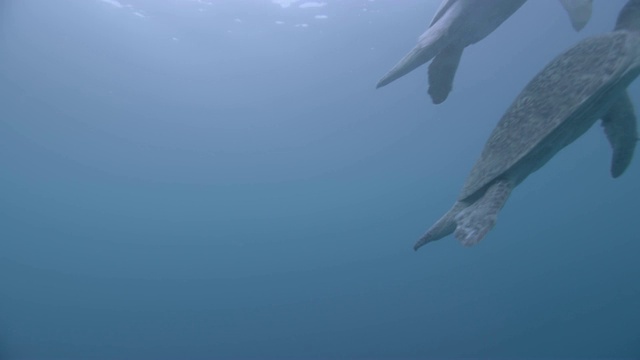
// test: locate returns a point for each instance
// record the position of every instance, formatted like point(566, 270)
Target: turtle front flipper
point(474, 222)
point(442, 70)
point(621, 129)
point(579, 12)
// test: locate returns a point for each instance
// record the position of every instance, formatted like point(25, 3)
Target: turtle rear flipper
point(621, 129)
point(474, 222)
point(579, 12)
point(442, 70)
point(437, 37)
point(427, 48)
point(443, 227)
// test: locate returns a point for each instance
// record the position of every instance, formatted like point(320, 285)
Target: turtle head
point(629, 17)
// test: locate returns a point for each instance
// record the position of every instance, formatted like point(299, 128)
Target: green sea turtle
point(458, 24)
point(586, 83)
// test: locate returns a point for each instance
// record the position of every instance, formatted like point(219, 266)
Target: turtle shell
point(572, 82)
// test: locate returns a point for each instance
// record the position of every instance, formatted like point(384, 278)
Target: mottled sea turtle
point(458, 24)
point(586, 83)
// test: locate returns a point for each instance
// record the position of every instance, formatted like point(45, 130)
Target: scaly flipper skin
point(470, 222)
point(621, 129)
point(474, 222)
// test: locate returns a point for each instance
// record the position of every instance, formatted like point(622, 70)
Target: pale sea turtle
point(586, 83)
point(458, 24)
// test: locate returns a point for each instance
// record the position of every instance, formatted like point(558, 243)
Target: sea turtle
point(586, 83)
point(458, 24)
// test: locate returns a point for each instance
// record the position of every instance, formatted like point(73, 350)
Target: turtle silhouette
point(458, 24)
point(586, 83)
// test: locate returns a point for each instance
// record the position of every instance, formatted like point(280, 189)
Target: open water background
point(190, 179)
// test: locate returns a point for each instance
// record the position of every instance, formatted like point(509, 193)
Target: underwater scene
point(251, 179)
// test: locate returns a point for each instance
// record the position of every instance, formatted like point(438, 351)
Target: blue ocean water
point(195, 179)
